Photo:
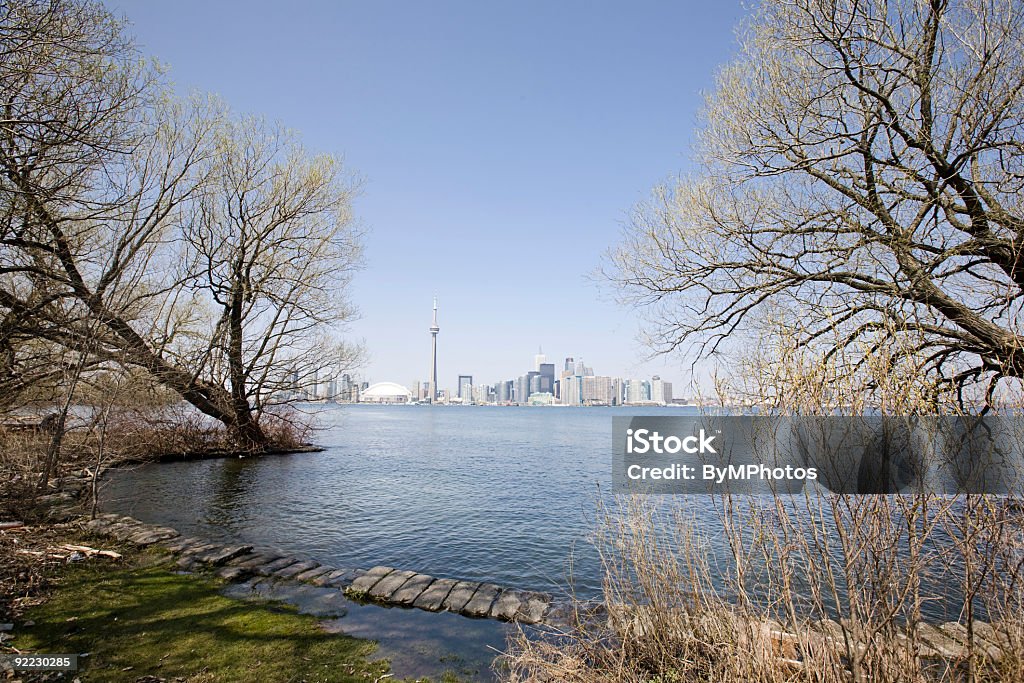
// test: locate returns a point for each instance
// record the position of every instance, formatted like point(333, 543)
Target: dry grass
point(743, 597)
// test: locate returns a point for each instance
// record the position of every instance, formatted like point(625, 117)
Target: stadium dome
point(385, 392)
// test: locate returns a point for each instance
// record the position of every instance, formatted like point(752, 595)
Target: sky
point(501, 148)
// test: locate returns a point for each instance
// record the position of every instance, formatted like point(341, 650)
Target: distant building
point(503, 392)
point(539, 359)
point(465, 391)
point(661, 391)
point(385, 392)
point(483, 394)
point(547, 377)
point(638, 391)
point(541, 398)
point(598, 391)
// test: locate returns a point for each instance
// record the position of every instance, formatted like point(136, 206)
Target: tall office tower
point(466, 387)
point(503, 391)
point(434, 329)
point(547, 377)
point(539, 359)
point(570, 364)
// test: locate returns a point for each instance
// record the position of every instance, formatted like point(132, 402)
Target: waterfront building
point(385, 392)
point(638, 391)
point(482, 394)
point(661, 391)
point(465, 390)
point(597, 391)
point(541, 398)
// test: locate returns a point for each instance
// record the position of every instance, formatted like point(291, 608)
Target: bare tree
point(271, 250)
point(861, 167)
point(99, 168)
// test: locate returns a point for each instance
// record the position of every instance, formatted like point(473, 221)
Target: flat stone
point(188, 563)
point(150, 537)
point(222, 555)
point(958, 632)
point(390, 583)
point(533, 608)
point(992, 634)
point(122, 530)
point(341, 578)
point(561, 614)
point(194, 551)
point(940, 642)
point(433, 597)
point(230, 573)
point(253, 560)
point(364, 582)
point(506, 605)
point(480, 604)
point(412, 589)
point(314, 573)
point(460, 594)
point(270, 567)
point(181, 543)
point(295, 569)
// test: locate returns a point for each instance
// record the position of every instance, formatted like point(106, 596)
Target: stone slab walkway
point(381, 584)
point(387, 585)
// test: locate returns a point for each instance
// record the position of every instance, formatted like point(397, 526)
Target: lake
point(502, 494)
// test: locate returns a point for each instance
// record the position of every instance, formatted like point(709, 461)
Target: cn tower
point(434, 329)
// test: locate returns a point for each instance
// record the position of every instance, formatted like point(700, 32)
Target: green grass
point(140, 614)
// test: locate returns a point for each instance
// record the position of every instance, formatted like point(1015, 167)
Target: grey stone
point(253, 560)
point(460, 594)
point(432, 599)
point(270, 567)
point(390, 583)
point(219, 556)
point(230, 573)
point(561, 614)
point(194, 551)
point(958, 632)
point(324, 579)
point(364, 582)
point(341, 578)
point(182, 543)
point(506, 606)
point(311, 574)
point(412, 589)
point(991, 634)
point(480, 604)
point(533, 608)
point(295, 569)
point(151, 536)
point(940, 642)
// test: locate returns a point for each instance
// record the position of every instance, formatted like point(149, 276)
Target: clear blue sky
point(502, 147)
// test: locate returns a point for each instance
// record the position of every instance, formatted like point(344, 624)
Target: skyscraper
point(539, 359)
point(434, 329)
point(466, 388)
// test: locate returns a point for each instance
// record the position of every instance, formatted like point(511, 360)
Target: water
point(501, 494)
